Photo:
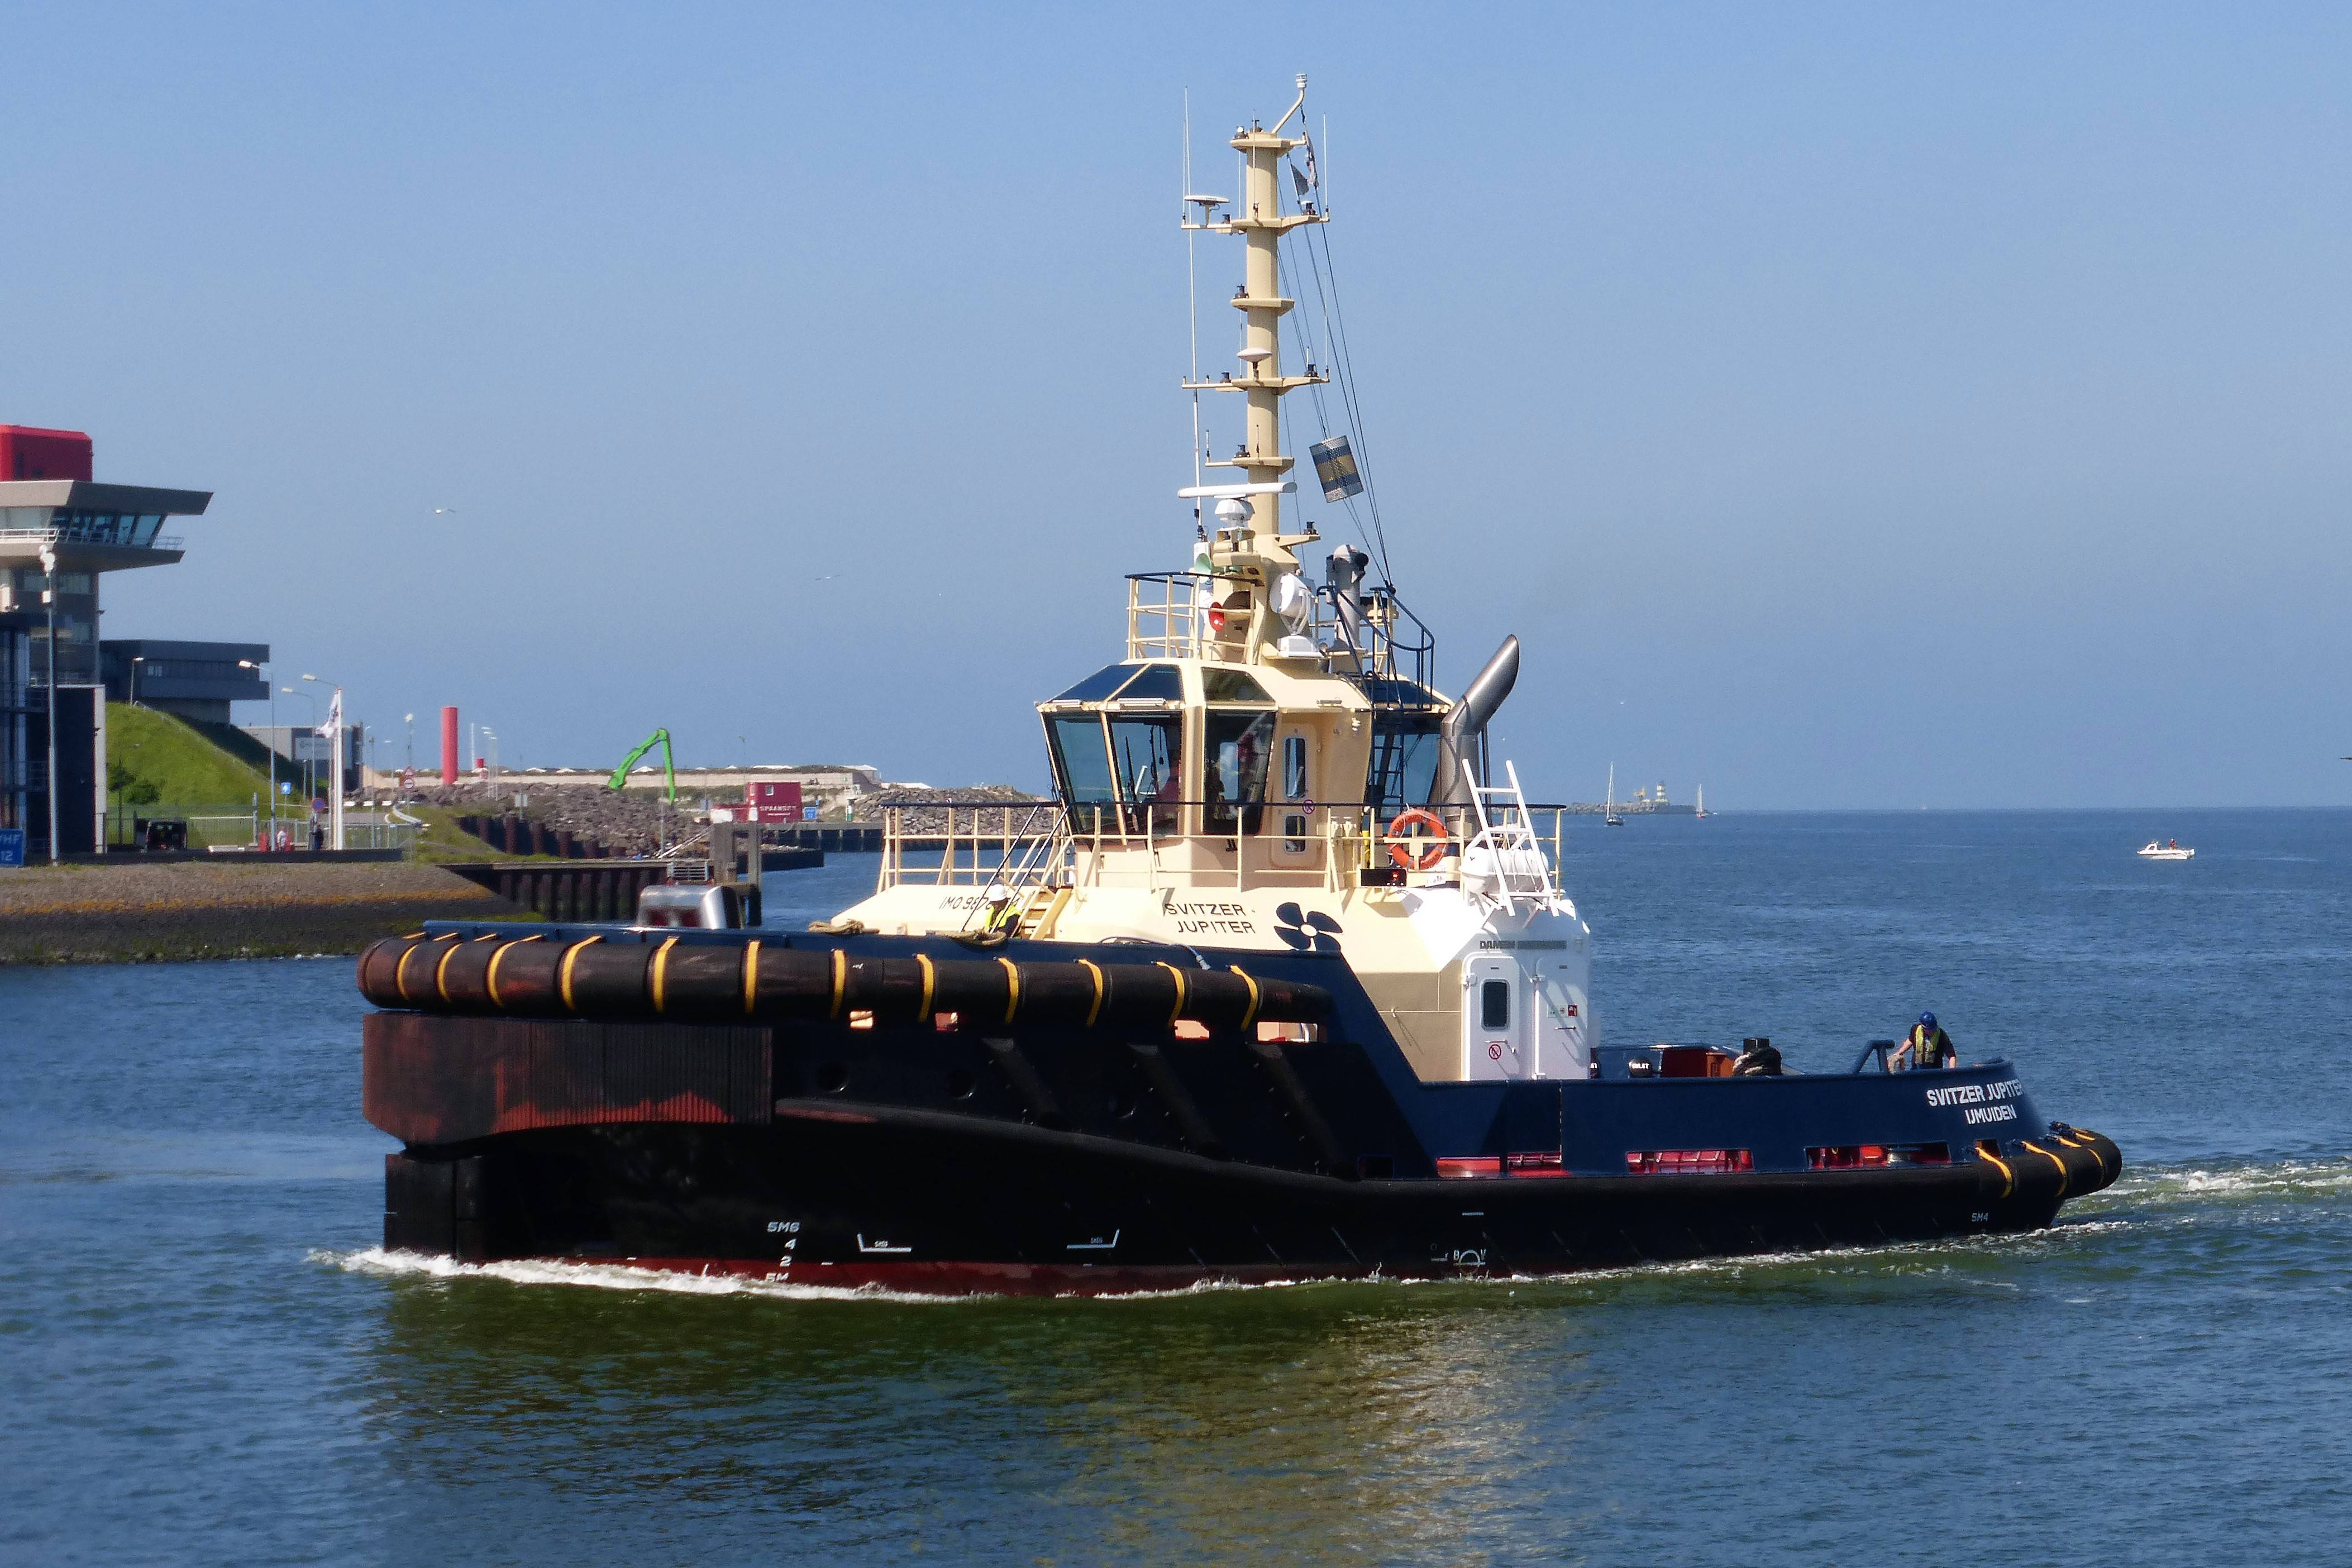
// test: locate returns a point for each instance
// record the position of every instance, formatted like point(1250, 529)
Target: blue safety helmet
point(1927, 1019)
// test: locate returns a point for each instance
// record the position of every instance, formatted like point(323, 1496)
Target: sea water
point(207, 1360)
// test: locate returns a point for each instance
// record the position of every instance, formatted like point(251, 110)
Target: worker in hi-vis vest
point(1928, 1046)
point(1003, 914)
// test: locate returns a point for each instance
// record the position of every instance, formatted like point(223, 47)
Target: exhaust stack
point(1462, 743)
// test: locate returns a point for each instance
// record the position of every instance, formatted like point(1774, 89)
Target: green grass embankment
point(183, 767)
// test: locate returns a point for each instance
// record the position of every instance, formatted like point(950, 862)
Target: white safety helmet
point(998, 892)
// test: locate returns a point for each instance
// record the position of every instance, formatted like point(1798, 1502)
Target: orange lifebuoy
point(1402, 853)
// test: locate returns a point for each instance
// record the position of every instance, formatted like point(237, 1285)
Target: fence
point(223, 827)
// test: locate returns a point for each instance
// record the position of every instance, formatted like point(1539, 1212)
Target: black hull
point(932, 1203)
point(1053, 1150)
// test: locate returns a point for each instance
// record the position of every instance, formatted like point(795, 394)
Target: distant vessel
point(1608, 812)
point(2170, 850)
point(1702, 802)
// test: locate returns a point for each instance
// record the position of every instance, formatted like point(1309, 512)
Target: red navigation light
point(1216, 619)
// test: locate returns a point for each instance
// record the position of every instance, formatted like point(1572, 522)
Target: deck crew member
point(1761, 1059)
point(1002, 913)
point(1928, 1046)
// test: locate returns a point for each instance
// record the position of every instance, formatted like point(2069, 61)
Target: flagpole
point(335, 801)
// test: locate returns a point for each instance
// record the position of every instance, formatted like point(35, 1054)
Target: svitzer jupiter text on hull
point(1284, 984)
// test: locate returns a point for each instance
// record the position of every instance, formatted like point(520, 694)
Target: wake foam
point(2286, 1180)
point(380, 1263)
point(2164, 1195)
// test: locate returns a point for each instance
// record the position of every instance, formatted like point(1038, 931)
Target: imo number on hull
point(1282, 985)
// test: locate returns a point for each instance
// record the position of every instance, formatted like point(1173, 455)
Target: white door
point(1496, 1042)
point(1561, 1035)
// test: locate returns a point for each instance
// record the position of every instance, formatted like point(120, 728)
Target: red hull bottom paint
point(1002, 1278)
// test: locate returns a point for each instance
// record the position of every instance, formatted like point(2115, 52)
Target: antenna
point(1192, 293)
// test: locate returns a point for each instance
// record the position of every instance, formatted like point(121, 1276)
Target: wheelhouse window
point(1240, 746)
point(1119, 771)
point(1161, 683)
point(1404, 762)
point(1222, 685)
point(1082, 763)
point(1147, 755)
point(1294, 788)
point(1129, 682)
point(1099, 685)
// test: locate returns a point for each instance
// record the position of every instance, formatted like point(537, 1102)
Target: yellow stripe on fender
point(1011, 987)
point(661, 970)
point(563, 970)
point(490, 978)
point(2008, 1176)
point(2090, 1146)
point(2054, 1160)
point(399, 970)
point(840, 980)
point(930, 978)
point(441, 974)
point(750, 975)
point(1096, 970)
point(1250, 980)
point(1183, 990)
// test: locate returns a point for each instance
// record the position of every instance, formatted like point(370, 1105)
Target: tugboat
point(1283, 985)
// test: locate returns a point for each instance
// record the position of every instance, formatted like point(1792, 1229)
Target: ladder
point(1040, 910)
point(1507, 836)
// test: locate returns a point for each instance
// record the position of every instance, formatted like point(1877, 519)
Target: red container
point(782, 795)
point(29, 453)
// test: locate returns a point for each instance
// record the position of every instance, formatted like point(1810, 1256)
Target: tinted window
point(1240, 747)
point(1231, 686)
point(1397, 693)
point(1080, 758)
point(1147, 754)
point(1098, 686)
point(1405, 763)
point(1294, 766)
point(1160, 680)
point(1495, 1005)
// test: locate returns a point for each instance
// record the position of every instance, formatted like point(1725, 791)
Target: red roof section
point(28, 452)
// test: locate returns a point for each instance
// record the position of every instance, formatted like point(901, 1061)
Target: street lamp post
point(49, 600)
point(309, 773)
point(270, 834)
point(136, 660)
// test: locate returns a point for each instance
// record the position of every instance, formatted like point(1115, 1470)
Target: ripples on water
point(210, 1362)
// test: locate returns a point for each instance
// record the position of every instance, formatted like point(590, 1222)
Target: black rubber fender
point(758, 981)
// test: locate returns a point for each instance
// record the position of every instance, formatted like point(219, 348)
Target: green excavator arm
point(620, 779)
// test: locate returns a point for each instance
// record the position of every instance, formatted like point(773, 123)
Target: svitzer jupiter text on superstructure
point(1239, 775)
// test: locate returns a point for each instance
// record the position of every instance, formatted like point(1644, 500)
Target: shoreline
point(190, 911)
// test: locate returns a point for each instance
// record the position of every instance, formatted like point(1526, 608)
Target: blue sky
point(1849, 406)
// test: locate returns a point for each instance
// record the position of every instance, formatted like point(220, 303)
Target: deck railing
point(1189, 844)
point(1168, 617)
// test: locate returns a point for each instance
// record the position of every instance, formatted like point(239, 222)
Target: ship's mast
point(1261, 222)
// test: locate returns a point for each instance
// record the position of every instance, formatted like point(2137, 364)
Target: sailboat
point(1702, 802)
point(1609, 816)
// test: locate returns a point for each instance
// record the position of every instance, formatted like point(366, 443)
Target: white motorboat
point(2170, 850)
